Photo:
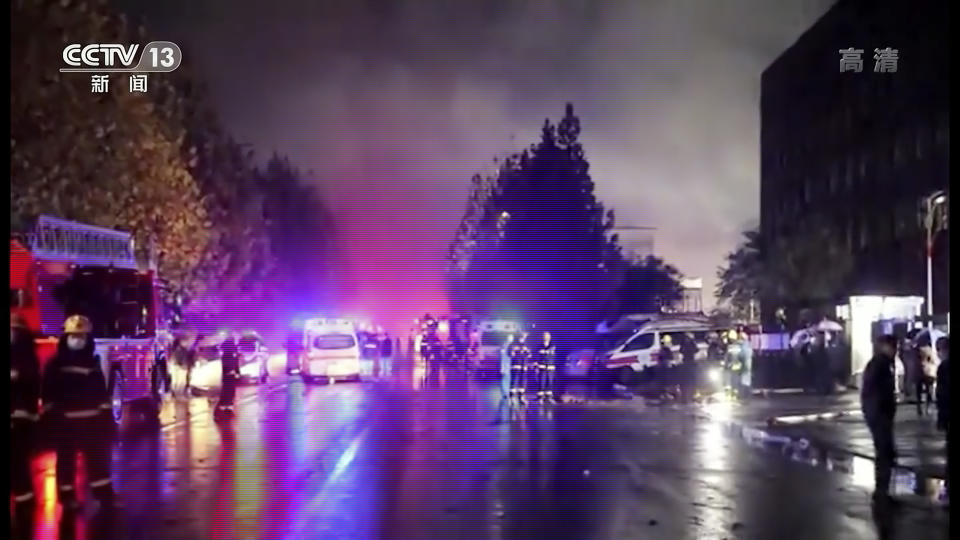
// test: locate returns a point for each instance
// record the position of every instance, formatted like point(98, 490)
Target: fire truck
point(63, 268)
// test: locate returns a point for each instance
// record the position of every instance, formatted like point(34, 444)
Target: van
point(331, 350)
point(639, 352)
point(493, 337)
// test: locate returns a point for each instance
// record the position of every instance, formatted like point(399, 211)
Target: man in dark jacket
point(878, 401)
point(943, 396)
point(294, 346)
point(688, 378)
point(230, 376)
point(24, 400)
point(78, 405)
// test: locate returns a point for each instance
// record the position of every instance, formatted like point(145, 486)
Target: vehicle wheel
point(625, 376)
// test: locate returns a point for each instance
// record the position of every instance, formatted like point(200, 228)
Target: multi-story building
point(861, 149)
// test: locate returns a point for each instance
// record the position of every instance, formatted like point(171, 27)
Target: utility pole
point(932, 204)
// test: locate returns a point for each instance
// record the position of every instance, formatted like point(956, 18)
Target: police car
point(331, 350)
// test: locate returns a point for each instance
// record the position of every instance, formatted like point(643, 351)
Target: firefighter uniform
point(519, 367)
point(24, 398)
point(77, 402)
point(230, 376)
point(546, 368)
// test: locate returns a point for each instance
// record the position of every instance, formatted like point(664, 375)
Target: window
point(119, 302)
point(640, 343)
point(334, 341)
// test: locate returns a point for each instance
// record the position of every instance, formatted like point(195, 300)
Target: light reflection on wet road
point(416, 457)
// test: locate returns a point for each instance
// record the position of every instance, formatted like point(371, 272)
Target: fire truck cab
point(64, 268)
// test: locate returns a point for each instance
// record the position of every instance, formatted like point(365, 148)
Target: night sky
point(395, 104)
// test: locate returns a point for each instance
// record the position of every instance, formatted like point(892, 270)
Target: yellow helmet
point(666, 340)
point(733, 335)
point(77, 324)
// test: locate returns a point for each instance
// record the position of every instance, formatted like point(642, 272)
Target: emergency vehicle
point(331, 350)
point(253, 359)
point(63, 268)
point(493, 337)
point(641, 350)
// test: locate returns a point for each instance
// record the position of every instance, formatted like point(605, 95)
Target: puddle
point(859, 469)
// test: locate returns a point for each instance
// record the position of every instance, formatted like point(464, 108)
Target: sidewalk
point(836, 423)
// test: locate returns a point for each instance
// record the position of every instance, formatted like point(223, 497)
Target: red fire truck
point(63, 268)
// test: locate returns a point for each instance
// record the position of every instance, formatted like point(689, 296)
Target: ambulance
point(331, 350)
point(62, 268)
point(494, 335)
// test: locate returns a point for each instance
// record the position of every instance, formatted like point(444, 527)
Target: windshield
point(493, 339)
point(119, 302)
point(334, 341)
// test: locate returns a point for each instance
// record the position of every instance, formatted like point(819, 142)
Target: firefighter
point(733, 366)
point(688, 377)
point(77, 402)
point(546, 355)
point(519, 366)
point(24, 397)
point(294, 348)
point(230, 375)
point(665, 358)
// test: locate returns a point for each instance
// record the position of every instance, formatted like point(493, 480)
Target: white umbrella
point(923, 337)
point(827, 325)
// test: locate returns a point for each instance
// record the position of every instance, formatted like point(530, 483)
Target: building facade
point(861, 150)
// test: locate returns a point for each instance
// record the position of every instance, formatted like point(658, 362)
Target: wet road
point(404, 458)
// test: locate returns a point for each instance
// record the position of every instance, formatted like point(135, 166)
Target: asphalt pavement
point(416, 454)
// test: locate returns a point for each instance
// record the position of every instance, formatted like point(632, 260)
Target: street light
point(932, 203)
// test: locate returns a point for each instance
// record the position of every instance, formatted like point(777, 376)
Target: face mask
point(76, 343)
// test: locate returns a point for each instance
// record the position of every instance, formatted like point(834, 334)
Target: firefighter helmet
point(733, 335)
point(77, 324)
point(666, 340)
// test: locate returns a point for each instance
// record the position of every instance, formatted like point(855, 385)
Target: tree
point(804, 271)
point(302, 238)
point(649, 287)
point(540, 247)
point(808, 270)
point(742, 279)
point(105, 159)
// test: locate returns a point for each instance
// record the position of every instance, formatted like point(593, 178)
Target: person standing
point(522, 367)
point(926, 377)
point(879, 405)
point(943, 398)
point(24, 400)
point(294, 346)
point(77, 402)
point(746, 366)
point(688, 351)
point(230, 375)
point(546, 360)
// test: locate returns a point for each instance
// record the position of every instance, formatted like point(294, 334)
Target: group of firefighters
point(524, 369)
point(76, 412)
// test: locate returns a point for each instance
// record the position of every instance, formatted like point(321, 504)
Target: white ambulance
point(493, 337)
point(331, 350)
